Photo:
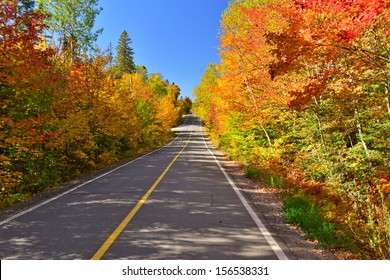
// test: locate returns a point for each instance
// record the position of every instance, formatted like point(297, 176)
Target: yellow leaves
point(42, 44)
point(5, 162)
point(73, 130)
point(317, 92)
point(81, 155)
point(167, 113)
point(61, 116)
point(126, 81)
point(9, 180)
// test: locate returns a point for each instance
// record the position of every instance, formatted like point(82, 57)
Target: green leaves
point(298, 210)
point(302, 93)
point(62, 115)
point(71, 22)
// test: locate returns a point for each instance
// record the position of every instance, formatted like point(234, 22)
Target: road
point(174, 203)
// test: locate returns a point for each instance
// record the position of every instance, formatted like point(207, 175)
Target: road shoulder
point(267, 203)
point(57, 190)
point(265, 200)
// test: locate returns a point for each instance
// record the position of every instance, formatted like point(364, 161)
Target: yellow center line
point(114, 235)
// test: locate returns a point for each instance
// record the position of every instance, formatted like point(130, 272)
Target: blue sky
point(176, 38)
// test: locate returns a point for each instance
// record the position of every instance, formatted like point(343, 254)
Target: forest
point(66, 107)
point(301, 98)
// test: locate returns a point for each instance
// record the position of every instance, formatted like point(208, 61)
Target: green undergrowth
point(26, 192)
point(299, 210)
point(13, 199)
point(269, 179)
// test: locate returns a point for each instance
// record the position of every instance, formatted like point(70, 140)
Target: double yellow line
point(114, 235)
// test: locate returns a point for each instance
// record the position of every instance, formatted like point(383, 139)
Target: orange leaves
point(20, 35)
point(383, 189)
point(61, 117)
point(344, 20)
point(302, 92)
point(384, 185)
point(301, 98)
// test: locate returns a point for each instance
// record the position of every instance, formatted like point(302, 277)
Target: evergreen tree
point(124, 56)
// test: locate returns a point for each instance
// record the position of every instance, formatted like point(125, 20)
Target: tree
point(157, 85)
point(185, 104)
point(73, 21)
point(313, 75)
point(24, 5)
point(61, 119)
point(124, 56)
point(205, 99)
point(25, 97)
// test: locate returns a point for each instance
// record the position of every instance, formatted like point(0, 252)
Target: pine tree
point(124, 56)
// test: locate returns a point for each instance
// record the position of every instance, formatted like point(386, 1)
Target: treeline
point(301, 96)
point(66, 108)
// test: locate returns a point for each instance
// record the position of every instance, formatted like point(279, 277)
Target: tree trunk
point(387, 97)
point(320, 127)
point(256, 108)
point(321, 133)
point(266, 134)
point(360, 131)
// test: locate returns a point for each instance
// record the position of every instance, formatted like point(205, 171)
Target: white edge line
point(79, 186)
point(271, 241)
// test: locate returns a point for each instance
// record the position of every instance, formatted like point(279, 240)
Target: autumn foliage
point(302, 93)
point(61, 118)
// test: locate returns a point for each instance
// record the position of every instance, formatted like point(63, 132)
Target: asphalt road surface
point(174, 203)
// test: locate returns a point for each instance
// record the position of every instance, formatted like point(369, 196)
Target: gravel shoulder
point(267, 201)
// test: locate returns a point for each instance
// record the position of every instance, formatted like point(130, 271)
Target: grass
point(12, 199)
point(298, 210)
point(257, 174)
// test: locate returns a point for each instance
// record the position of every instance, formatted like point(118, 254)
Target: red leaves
point(313, 35)
point(348, 18)
point(20, 60)
point(304, 95)
point(60, 117)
